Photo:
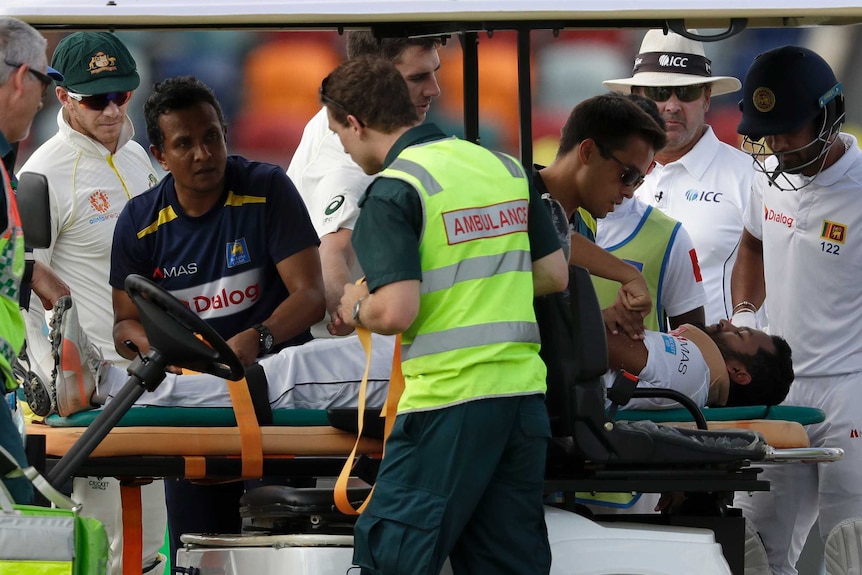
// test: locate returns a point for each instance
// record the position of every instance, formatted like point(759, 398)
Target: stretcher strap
point(133, 533)
point(195, 467)
point(251, 444)
point(396, 387)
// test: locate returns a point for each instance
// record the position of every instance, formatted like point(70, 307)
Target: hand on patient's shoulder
point(618, 319)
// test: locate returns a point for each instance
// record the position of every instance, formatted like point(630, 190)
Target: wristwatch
point(356, 319)
point(266, 341)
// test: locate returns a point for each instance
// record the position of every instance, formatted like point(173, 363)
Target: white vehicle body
point(578, 547)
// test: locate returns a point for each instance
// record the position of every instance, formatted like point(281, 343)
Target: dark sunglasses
point(684, 93)
point(44, 78)
point(327, 100)
point(631, 176)
point(101, 101)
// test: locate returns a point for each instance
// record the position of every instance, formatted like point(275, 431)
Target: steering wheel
point(180, 336)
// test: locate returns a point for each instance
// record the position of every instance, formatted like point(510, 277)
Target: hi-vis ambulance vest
point(475, 335)
point(648, 249)
point(11, 271)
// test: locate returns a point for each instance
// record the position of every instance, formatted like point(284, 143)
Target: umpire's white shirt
point(707, 190)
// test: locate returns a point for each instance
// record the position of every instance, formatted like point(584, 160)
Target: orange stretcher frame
point(219, 453)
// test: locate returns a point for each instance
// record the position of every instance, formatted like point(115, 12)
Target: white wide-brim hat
point(672, 60)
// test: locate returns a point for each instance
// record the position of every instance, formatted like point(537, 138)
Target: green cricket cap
point(95, 63)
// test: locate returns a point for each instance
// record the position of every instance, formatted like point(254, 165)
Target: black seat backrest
point(574, 348)
point(575, 352)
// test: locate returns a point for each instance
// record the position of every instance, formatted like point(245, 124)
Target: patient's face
point(742, 340)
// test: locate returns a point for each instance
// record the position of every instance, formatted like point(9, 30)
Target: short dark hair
point(372, 89)
point(609, 120)
point(362, 43)
point(771, 376)
point(177, 93)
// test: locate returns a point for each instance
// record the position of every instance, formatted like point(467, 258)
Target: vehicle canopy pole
point(470, 48)
point(525, 95)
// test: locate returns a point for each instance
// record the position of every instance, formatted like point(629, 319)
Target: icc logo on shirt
point(703, 196)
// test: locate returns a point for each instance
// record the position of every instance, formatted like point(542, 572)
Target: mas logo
point(99, 201)
point(236, 253)
point(833, 232)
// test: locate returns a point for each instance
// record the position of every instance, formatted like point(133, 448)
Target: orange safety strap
point(133, 533)
point(390, 409)
point(195, 466)
point(251, 443)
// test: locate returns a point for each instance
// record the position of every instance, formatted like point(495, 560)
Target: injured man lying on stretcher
point(716, 365)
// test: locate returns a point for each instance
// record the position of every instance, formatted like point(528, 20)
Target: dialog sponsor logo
point(223, 297)
point(771, 215)
point(486, 222)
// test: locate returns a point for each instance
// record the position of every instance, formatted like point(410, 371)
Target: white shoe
point(77, 362)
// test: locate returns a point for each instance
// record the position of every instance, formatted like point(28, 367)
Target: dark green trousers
point(463, 482)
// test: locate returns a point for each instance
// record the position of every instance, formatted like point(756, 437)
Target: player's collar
point(699, 159)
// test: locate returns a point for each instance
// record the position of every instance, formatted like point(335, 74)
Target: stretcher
point(176, 434)
point(219, 444)
point(206, 444)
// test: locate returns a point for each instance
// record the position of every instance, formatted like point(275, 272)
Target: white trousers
point(803, 493)
point(320, 374)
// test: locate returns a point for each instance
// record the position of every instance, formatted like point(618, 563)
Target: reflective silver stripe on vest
point(510, 163)
point(9, 282)
point(475, 268)
point(8, 353)
point(431, 185)
point(471, 336)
